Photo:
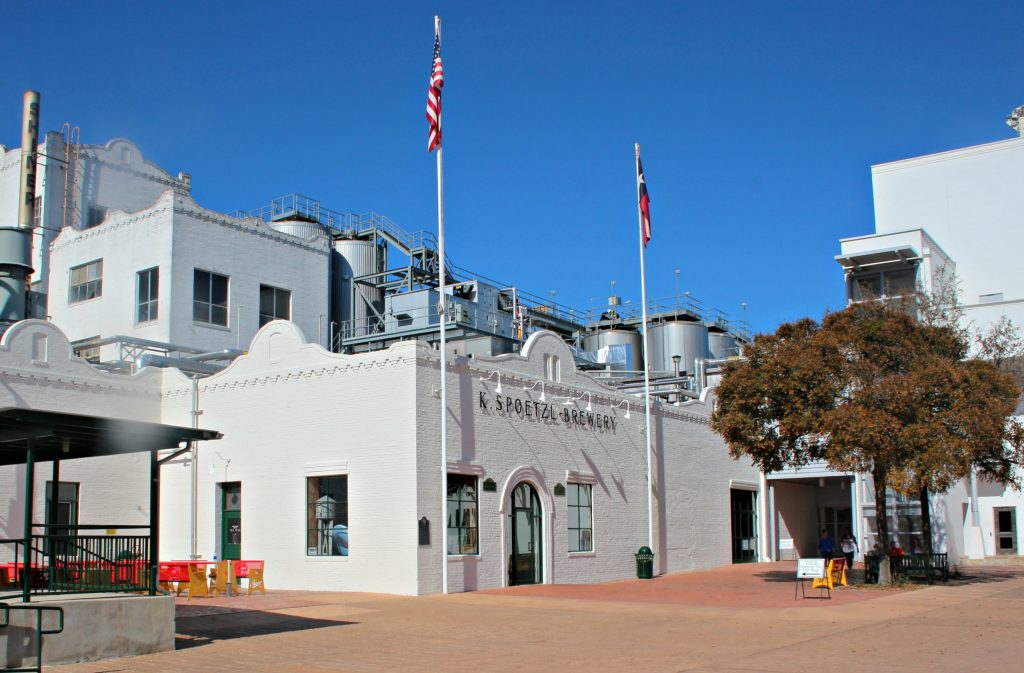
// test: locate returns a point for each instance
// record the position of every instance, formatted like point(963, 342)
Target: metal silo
point(352, 258)
point(686, 338)
point(722, 344)
point(307, 231)
point(595, 341)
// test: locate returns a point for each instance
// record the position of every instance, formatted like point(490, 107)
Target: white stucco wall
point(692, 473)
point(39, 372)
point(970, 201)
point(289, 410)
point(178, 236)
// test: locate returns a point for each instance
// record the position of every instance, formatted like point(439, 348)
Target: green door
point(231, 522)
point(525, 537)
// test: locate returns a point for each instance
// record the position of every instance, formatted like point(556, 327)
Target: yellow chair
point(835, 574)
point(197, 585)
point(219, 578)
point(256, 580)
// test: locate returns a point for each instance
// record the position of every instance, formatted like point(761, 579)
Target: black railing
point(76, 559)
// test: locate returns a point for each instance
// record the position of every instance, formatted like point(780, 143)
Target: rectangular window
point(210, 298)
point(64, 521)
point(275, 304)
point(327, 516)
point(86, 282)
point(867, 287)
point(581, 520)
point(96, 215)
point(37, 213)
point(147, 285)
point(462, 515)
point(900, 283)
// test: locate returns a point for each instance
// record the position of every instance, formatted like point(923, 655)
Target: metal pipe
point(154, 520)
point(26, 558)
point(16, 241)
point(152, 360)
point(194, 486)
point(222, 354)
point(975, 514)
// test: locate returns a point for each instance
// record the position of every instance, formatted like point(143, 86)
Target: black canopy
point(61, 436)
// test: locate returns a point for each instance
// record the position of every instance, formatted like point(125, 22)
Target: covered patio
point(98, 557)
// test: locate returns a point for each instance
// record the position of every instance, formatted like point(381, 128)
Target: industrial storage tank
point(686, 338)
point(722, 344)
point(303, 229)
point(352, 258)
point(595, 341)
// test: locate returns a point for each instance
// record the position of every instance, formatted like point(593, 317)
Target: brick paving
point(740, 619)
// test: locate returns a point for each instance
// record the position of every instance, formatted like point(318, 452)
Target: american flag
point(645, 202)
point(434, 97)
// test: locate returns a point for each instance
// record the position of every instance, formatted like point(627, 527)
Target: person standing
point(825, 546)
point(849, 547)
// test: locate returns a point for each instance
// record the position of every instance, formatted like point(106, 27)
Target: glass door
point(1006, 531)
point(744, 526)
point(525, 537)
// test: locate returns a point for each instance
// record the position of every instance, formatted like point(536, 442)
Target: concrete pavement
point(730, 620)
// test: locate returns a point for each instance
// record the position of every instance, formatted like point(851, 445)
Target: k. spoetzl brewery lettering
point(506, 405)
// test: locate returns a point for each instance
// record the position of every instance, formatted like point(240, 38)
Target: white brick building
point(296, 417)
point(330, 467)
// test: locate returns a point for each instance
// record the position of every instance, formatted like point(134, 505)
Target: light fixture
point(570, 400)
point(675, 363)
point(213, 462)
point(619, 406)
point(543, 397)
point(497, 391)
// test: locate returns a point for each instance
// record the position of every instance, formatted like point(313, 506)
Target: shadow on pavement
point(984, 575)
point(212, 624)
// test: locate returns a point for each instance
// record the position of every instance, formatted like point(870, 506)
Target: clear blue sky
point(758, 122)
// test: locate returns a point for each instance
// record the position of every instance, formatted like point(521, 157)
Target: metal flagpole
point(647, 377)
point(442, 319)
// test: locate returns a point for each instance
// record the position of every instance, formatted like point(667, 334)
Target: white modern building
point(944, 221)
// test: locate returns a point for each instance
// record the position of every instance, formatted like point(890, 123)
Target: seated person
point(895, 549)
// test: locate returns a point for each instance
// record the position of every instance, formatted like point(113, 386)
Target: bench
point(928, 566)
point(921, 565)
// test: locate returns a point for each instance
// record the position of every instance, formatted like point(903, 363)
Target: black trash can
point(645, 563)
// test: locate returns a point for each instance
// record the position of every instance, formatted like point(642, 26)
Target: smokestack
point(16, 241)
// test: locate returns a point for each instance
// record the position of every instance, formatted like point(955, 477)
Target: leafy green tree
point(871, 389)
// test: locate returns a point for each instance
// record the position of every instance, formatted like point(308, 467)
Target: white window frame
point(277, 313)
point(152, 301)
point(208, 304)
point(579, 486)
point(91, 287)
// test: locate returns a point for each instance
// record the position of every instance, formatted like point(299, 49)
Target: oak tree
point(871, 389)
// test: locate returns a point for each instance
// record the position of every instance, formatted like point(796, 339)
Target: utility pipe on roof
point(223, 354)
point(190, 366)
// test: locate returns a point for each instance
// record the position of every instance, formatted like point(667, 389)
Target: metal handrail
point(5, 611)
point(67, 562)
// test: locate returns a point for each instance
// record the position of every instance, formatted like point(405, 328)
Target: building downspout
point(194, 481)
point(16, 240)
point(974, 539)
